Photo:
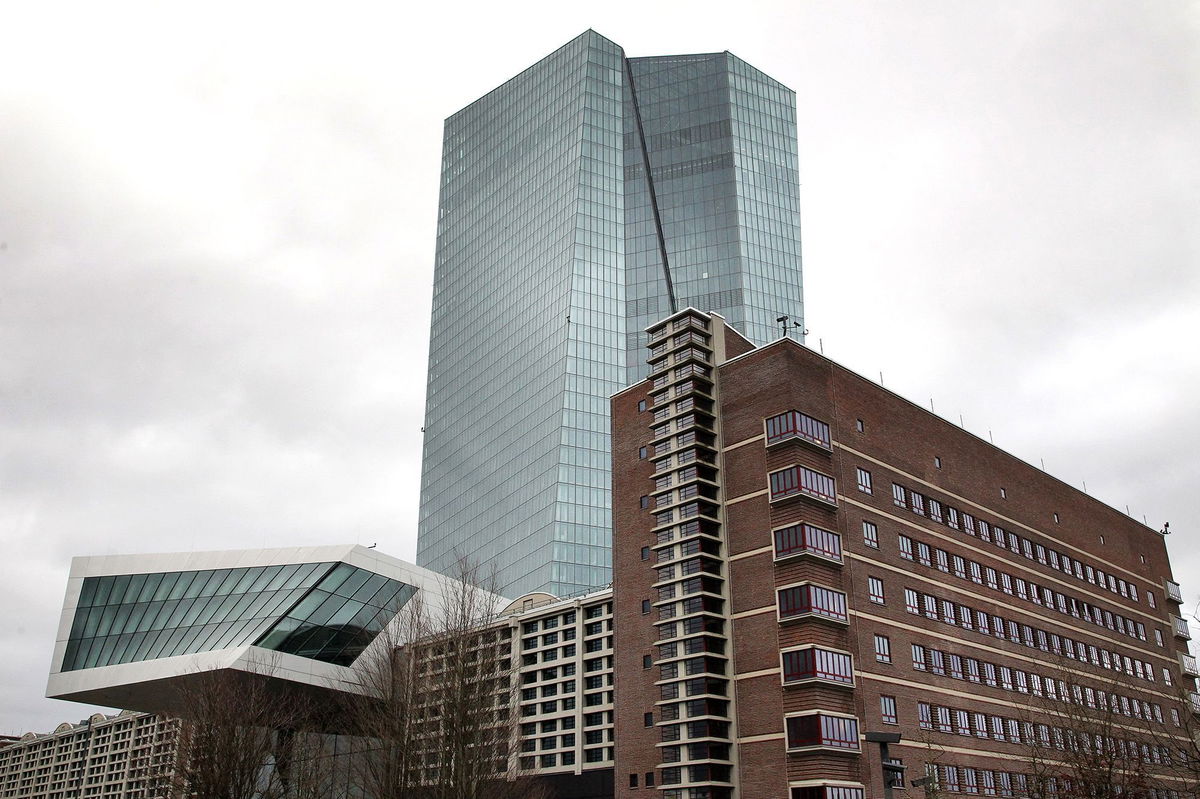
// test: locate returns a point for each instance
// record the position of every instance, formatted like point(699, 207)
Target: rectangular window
point(935, 510)
point(906, 547)
point(794, 424)
point(989, 674)
point(815, 663)
point(952, 517)
point(923, 554)
point(883, 649)
point(807, 599)
point(887, 709)
point(801, 538)
point(864, 481)
point(899, 495)
point(802, 480)
point(911, 601)
point(819, 729)
point(916, 502)
point(870, 534)
point(875, 590)
point(918, 657)
point(948, 611)
point(943, 560)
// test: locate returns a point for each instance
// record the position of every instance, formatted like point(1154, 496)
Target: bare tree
point(237, 737)
point(1176, 737)
point(434, 717)
point(1084, 743)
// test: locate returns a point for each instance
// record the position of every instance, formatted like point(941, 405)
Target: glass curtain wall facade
point(556, 247)
point(325, 611)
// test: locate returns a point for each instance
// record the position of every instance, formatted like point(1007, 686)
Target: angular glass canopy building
point(584, 199)
point(136, 628)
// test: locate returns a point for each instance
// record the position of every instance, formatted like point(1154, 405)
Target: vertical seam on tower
point(662, 242)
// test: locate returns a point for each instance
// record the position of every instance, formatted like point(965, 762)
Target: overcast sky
point(217, 235)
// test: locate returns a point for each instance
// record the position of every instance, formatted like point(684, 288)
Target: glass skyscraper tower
point(581, 201)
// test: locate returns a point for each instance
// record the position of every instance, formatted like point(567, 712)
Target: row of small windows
point(1018, 545)
point(548, 623)
point(1001, 728)
point(963, 616)
point(966, 668)
point(1030, 591)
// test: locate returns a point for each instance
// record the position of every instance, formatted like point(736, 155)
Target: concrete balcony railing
point(1180, 628)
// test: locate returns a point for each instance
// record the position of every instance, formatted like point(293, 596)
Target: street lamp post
point(891, 771)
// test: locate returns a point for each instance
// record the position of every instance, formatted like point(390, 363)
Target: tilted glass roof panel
point(132, 617)
point(339, 617)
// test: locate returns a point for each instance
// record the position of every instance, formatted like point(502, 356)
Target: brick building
point(801, 557)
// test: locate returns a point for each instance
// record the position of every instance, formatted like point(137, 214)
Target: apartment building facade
point(130, 755)
point(804, 560)
point(563, 691)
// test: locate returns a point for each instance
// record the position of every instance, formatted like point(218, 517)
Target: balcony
point(1189, 665)
point(796, 425)
point(1180, 628)
point(1173, 592)
point(802, 481)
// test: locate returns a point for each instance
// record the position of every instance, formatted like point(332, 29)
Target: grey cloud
point(218, 241)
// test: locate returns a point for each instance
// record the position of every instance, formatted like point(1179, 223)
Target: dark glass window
point(805, 599)
point(818, 663)
point(819, 729)
point(802, 480)
point(806, 538)
point(794, 424)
